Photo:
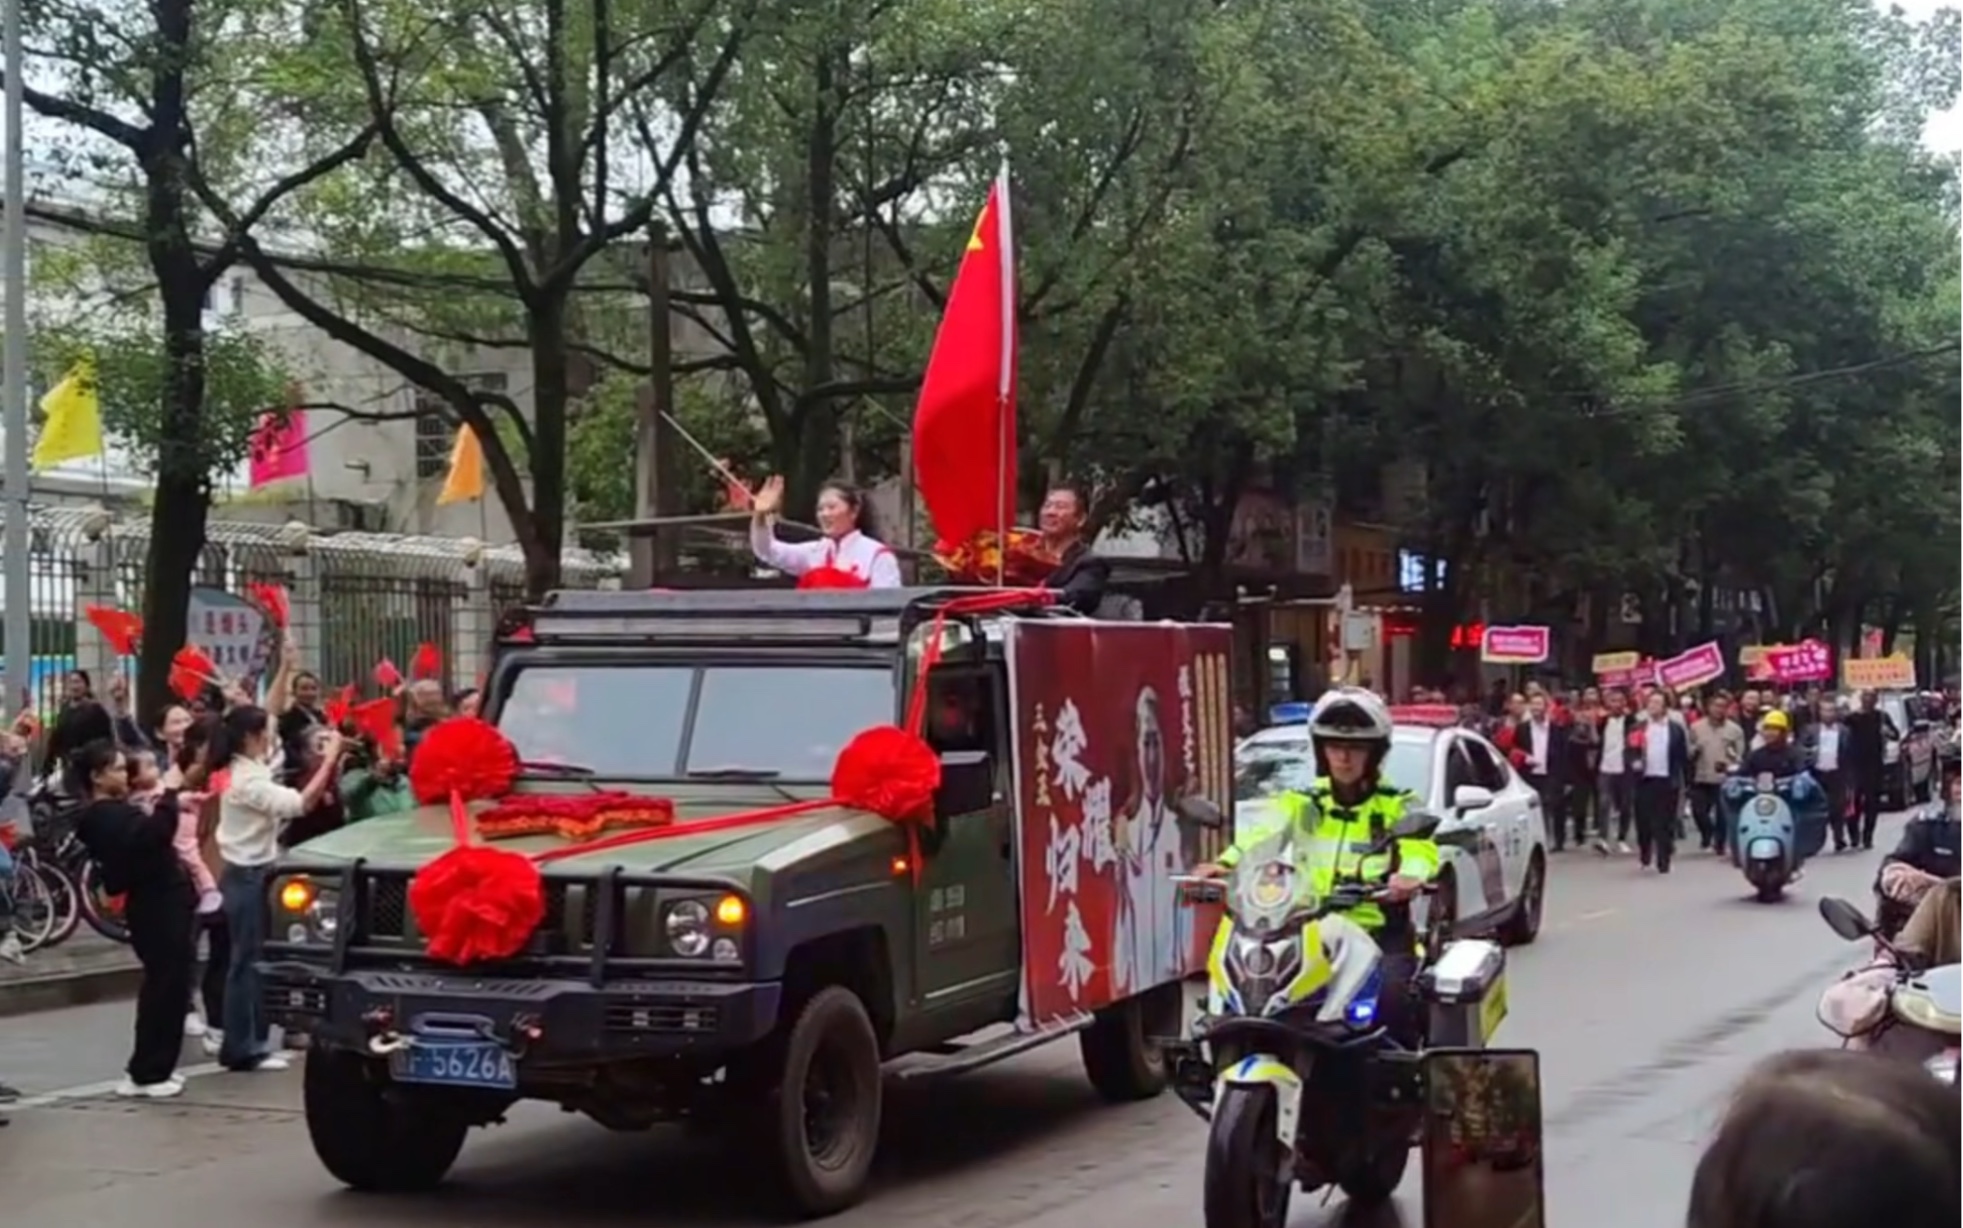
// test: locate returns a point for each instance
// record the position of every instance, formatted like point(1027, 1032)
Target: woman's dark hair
point(854, 498)
point(78, 772)
point(197, 737)
point(88, 683)
point(233, 729)
point(1833, 1138)
point(78, 725)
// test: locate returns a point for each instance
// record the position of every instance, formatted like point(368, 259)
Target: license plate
point(463, 1063)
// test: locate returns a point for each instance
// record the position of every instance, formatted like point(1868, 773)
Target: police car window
point(1487, 770)
point(1458, 768)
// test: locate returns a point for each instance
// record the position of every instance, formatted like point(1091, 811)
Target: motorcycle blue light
point(1360, 1012)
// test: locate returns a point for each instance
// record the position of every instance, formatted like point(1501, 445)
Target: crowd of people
point(1614, 764)
point(184, 816)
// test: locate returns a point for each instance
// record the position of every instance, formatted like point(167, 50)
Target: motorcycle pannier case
point(1465, 993)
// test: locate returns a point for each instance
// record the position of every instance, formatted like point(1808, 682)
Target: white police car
point(1494, 839)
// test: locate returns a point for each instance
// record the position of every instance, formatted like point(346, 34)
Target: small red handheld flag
point(427, 663)
point(121, 628)
point(190, 672)
point(387, 676)
point(272, 599)
point(337, 708)
point(376, 718)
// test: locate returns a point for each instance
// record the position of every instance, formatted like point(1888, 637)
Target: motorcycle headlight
point(1261, 967)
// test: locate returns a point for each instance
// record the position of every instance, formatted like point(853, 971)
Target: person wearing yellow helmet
point(1777, 754)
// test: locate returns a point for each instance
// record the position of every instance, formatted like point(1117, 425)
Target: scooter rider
point(1926, 856)
point(1348, 808)
point(1777, 755)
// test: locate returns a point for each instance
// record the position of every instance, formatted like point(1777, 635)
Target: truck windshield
point(777, 722)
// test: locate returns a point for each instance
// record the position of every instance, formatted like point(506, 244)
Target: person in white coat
point(847, 546)
point(1149, 856)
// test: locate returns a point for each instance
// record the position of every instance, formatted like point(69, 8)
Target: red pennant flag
point(427, 663)
point(376, 718)
point(121, 628)
point(272, 599)
point(337, 708)
point(964, 424)
point(387, 676)
point(190, 672)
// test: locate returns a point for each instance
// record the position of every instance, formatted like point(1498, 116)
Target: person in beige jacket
point(1717, 745)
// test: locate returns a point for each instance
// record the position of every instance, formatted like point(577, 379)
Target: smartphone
point(1482, 1155)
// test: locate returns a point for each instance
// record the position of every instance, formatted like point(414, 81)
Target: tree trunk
point(182, 503)
point(551, 394)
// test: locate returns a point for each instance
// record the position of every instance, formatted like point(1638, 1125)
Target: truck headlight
point(309, 910)
point(687, 926)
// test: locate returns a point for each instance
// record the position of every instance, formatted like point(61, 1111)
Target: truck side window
point(961, 710)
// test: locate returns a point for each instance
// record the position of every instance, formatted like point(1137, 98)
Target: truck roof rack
point(872, 615)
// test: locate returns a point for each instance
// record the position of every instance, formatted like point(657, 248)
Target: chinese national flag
point(964, 425)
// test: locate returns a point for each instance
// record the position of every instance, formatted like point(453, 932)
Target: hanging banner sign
point(1514, 645)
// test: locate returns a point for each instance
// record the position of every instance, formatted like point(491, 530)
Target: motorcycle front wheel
point(1248, 1179)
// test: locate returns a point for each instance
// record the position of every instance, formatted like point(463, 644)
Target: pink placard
point(1643, 673)
point(1514, 645)
point(1807, 661)
point(1693, 668)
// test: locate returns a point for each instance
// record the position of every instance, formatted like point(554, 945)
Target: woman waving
point(847, 556)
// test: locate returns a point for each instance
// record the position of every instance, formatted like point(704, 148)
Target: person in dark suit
point(1541, 755)
point(1659, 762)
point(1868, 732)
point(1081, 576)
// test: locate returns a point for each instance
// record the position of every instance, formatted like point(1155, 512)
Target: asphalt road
point(1646, 996)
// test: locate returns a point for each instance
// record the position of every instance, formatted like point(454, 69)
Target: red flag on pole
point(964, 424)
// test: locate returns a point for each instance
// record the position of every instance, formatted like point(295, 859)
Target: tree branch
point(95, 119)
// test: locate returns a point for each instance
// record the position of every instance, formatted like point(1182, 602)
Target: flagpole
point(18, 624)
point(1005, 368)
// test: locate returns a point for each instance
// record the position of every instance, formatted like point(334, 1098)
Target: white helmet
point(1350, 714)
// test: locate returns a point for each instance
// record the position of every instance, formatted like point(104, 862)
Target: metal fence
point(356, 598)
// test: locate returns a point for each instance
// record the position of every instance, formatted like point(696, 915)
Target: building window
point(435, 434)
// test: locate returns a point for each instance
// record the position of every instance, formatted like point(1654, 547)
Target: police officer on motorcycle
point(1339, 820)
point(1926, 856)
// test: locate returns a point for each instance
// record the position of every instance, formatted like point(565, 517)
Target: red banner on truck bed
point(1114, 722)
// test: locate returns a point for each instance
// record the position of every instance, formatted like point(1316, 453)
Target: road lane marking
point(92, 1091)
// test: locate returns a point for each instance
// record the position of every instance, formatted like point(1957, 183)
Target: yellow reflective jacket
point(1332, 842)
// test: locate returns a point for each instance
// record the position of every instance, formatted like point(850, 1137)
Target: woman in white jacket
point(847, 551)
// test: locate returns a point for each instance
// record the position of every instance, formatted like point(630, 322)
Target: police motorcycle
point(1776, 824)
point(1300, 1083)
point(1899, 1006)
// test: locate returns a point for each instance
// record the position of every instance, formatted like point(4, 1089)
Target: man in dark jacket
point(1868, 732)
point(1081, 576)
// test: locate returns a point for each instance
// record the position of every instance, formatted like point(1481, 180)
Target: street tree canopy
point(1584, 299)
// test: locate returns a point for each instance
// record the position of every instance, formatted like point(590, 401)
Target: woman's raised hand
point(769, 499)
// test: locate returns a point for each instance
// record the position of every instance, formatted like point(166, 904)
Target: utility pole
point(14, 541)
point(656, 454)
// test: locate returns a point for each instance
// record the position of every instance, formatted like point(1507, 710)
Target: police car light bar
point(1433, 716)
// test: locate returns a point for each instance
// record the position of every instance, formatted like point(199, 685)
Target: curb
point(79, 988)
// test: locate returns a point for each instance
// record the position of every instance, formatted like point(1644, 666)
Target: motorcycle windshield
point(1268, 886)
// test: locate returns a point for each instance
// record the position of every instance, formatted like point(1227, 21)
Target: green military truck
point(759, 978)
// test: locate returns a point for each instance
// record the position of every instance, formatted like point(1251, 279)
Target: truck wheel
point(371, 1136)
point(823, 1114)
point(1122, 1055)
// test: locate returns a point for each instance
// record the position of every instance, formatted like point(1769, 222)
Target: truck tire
point(822, 1112)
point(370, 1136)
point(1122, 1056)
